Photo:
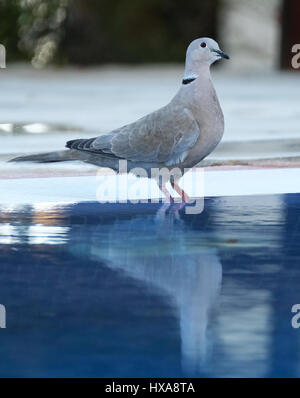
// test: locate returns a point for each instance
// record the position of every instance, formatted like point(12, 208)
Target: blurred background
point(83, 67)
point(89, 32)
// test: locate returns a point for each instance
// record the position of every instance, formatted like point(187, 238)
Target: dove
point(177, 136)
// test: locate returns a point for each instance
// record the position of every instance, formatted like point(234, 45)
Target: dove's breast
point(207, 111)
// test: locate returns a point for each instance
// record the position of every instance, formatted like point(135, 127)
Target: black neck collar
point(188, 80)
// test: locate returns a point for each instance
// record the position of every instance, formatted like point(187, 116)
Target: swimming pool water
point(94, 290)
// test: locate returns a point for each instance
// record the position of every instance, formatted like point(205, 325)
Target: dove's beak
point(222, 54)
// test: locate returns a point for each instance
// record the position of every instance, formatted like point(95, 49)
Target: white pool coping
point(197, 183)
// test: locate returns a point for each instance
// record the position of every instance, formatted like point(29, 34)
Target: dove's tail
point(50, 157)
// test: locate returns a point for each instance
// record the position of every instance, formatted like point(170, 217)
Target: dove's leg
point(163, 188)
point(184, 196)
point(168, 205)
point(168, 200)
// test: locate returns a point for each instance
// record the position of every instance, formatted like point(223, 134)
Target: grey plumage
point(49, 157)
point(161, 137)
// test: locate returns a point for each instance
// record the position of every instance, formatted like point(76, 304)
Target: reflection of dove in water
point(178, 135)
point(172, 260)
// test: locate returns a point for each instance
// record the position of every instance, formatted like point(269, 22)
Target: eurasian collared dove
point(178, 135)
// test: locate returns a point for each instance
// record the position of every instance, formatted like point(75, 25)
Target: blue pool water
point(110, 290)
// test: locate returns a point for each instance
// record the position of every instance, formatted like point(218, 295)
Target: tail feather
point(50, 157)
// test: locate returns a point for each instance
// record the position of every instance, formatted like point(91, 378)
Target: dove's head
point(203, 51)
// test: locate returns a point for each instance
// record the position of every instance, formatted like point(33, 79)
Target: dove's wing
point(164, 136)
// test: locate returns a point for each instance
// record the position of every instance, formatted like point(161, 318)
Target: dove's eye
point(203, 45)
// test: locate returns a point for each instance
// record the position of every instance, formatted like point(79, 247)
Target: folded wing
point(164, 136)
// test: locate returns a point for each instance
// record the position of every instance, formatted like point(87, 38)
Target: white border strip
point(216, 183)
